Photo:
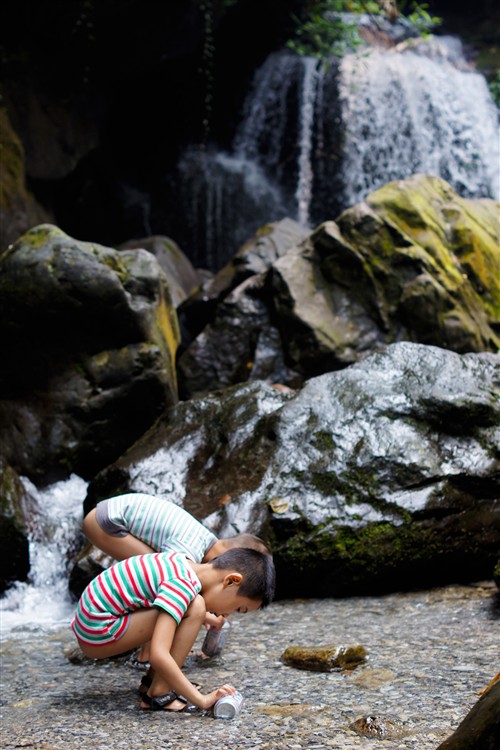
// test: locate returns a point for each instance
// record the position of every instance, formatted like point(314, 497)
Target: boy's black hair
point(257, 569)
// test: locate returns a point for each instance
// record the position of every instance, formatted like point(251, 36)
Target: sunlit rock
point(414, 262)
point(379, 476)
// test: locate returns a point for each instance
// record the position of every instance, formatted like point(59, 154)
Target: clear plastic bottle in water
point(215, 640)
point(228, 706)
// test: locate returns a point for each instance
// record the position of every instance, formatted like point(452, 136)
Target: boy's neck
point(206, 572)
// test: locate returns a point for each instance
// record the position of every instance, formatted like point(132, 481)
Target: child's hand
point(215, 695)
point(214, 621)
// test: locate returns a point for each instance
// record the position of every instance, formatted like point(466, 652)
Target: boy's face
point(223, 597)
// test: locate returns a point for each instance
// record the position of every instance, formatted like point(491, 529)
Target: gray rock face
point(88, 338)
point(240, 344)
point(14, 509)
point(379, 476)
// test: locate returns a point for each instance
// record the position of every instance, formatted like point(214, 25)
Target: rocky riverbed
point(428, 655)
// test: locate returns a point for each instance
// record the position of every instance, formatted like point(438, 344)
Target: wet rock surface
point(324, 658)
point(429, 654)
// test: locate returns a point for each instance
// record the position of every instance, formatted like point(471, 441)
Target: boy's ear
point(232, 579)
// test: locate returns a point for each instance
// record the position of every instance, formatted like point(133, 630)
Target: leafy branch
point(324, 32)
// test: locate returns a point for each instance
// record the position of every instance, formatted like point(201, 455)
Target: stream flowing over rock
point(381, 476)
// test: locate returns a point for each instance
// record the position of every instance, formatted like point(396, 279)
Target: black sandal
point(147, 681)
point(160, 703)
point(134, 663)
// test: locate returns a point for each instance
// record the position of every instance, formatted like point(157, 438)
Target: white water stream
point(44, 601)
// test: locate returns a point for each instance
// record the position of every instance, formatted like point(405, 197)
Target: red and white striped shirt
point(164, 580)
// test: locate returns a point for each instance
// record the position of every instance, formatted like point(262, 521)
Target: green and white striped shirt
point(162, 525)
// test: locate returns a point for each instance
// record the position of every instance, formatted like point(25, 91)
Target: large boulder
point(413, 262)
point(480, 730)
point(14, 530)
point(254, 258)
point(88, 340)
point(183, 279)
point(380, 476)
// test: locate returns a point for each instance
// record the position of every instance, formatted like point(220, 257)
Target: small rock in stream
point(324, 658)
point(376, 728)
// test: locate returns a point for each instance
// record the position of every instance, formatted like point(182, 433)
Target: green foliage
point(494, 85)
point(323, 32)
point(323, 35)
point(420, 17)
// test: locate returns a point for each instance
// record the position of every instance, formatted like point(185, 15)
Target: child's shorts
point(98, 628)
point(108, 525)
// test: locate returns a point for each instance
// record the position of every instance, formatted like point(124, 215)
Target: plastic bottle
point(215, 640)
point(228, 706)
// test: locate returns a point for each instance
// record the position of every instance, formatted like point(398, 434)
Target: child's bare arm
point(214, 621)
point(168, 646)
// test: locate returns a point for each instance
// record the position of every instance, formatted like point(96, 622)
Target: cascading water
point(315, 140)
point(417, 109)
point(310, 86)
point(55, 522)
point(224, 199)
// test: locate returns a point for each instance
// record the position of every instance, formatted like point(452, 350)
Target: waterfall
point(55, 523)
point(314, 141)
point(310, 87)
point(225, 199)
point(422, 110)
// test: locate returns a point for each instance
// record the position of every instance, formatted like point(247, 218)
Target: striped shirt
point(163, 580)
point(162, 525)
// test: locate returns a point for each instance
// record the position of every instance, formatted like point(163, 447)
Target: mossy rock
point(324, 658)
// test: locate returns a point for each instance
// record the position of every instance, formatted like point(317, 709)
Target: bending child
point(137, 524)
point(163, 598)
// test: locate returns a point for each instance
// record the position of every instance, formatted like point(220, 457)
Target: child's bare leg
point(117, 547)
point(140, 630)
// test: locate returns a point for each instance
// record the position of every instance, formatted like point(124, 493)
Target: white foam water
point(55, 521)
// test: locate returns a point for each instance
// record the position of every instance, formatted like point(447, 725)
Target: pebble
point(429, 654)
